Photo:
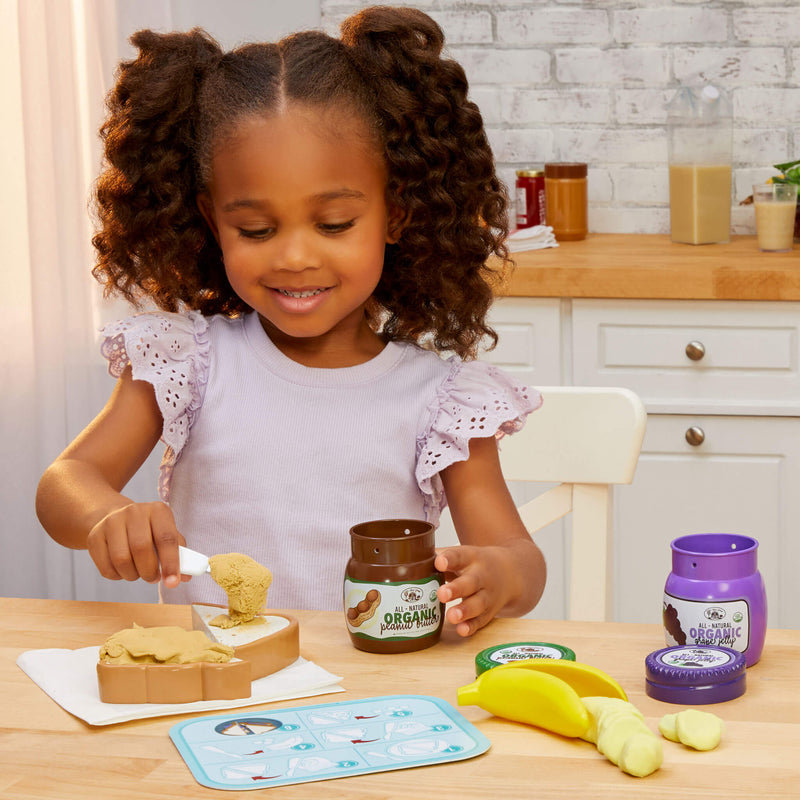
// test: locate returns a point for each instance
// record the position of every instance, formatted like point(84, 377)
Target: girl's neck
point(336, 349)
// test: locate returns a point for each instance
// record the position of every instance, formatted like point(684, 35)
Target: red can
point(530, 198)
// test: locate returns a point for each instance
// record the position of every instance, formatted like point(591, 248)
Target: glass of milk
point(775, 204)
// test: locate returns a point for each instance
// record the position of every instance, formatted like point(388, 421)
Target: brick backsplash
point(589, 81)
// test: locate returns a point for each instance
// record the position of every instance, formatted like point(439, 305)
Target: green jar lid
point(520, 651)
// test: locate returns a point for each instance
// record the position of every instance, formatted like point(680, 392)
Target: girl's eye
point(260, 233)
point(336, 227)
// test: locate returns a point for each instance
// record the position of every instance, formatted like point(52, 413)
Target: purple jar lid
point(695, 674)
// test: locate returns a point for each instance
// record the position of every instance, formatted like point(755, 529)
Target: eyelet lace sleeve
point(170, 351)
point(475, 401)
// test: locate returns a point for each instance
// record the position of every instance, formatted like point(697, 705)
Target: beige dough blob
point(169, 644)
point(245, 582)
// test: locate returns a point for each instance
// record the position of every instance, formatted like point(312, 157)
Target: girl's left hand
point(482, 578)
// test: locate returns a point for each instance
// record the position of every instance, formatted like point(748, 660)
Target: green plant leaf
point(787, 166)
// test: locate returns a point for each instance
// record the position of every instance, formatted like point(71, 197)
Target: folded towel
point(535, 238)
point(70, 678)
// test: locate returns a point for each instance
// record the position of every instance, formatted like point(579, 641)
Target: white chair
point(587, 439)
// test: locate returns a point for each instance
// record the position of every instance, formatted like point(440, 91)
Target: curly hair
point(176, 103)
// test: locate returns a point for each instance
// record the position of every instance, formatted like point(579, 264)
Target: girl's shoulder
point(154, 342)
point(475, 400)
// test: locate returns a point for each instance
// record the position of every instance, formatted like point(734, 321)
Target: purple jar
point(715, 594)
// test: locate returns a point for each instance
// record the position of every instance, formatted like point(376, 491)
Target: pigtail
point(442, 181)
point(152, 239)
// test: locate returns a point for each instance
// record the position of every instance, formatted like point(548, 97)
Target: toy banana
point(620, 734)
point(530, 696)
point(586, 680)
point(700, 730)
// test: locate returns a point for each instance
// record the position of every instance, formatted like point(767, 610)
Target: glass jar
point(530, 200)
point(715, 594)
point(390, 585)
point(566, 200)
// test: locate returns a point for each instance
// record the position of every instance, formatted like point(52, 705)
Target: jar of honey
point(390, 586)
point(566, 200)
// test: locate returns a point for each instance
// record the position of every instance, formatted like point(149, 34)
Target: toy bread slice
point(173, 683)
point(269, 642)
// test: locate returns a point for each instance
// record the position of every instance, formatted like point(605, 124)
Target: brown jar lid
point(565, 169)
point(529, 173)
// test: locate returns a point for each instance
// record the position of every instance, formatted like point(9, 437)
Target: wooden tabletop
point(47, 753)
point(651, 266)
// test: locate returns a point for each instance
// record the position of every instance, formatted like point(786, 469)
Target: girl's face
point(297, 203)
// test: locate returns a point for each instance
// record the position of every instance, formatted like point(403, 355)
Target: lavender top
point(267, 457)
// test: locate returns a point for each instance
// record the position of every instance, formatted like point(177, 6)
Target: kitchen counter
point(648, 266)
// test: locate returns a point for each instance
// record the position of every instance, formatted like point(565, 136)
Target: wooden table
point(650, 266)
point(47, 753)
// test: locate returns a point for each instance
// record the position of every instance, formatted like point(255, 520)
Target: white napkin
point(70, 678)
point(535, 238)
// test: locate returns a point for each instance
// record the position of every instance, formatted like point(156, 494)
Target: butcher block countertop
point(649, 266)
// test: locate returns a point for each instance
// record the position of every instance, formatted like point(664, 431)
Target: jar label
point(695, 658)
point(392, 611)
point(524, 652)
point(725, 623)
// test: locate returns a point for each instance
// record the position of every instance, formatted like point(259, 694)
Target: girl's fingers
point(167, 539)
point(130, 545)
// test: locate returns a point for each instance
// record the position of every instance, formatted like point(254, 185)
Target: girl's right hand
point(139, 540)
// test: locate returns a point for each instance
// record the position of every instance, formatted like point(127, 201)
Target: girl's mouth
point(300, 293)
point(301, 301)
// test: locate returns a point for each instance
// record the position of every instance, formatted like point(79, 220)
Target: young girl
point(314, 217)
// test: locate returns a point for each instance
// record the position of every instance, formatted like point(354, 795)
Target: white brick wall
point(588, 80)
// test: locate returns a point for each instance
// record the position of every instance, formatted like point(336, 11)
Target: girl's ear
point(395, 224)
point(207, 210)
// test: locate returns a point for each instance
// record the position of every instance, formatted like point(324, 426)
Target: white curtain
point(54, 76)
point(57, 60)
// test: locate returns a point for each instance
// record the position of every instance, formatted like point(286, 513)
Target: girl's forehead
point(297, 144)
point(339, 128)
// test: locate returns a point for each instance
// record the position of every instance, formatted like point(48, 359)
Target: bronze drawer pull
point(695, 350)
point(695, 435)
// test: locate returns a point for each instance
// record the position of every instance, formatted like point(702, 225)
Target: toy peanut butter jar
point(390, 585)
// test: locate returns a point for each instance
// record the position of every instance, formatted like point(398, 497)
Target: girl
point(314, 217)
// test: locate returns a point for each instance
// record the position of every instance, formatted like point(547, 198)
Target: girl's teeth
point(309, 293)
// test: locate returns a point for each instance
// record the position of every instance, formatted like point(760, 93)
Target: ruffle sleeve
point(475, 401)
point(171, 352)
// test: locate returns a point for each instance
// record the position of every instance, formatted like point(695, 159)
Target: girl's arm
point(80, 502)
point(497, 570)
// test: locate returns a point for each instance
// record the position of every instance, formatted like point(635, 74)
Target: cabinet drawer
point(714, 356)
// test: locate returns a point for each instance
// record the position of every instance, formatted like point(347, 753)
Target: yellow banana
point(530, 696)
point(586, 680)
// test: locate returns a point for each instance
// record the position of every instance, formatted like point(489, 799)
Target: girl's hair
point(182, 96)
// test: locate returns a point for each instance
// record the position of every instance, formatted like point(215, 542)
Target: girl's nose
point(295, 251)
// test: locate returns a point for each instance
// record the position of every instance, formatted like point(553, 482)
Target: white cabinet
point(730, 371)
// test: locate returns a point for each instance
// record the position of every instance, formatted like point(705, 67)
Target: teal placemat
point(321, 742)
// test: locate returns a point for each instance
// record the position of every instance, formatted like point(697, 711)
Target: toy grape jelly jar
point(390, 585)
point(715, 594)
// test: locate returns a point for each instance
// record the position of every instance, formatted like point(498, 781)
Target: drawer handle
point(695, 436)
point(695, 350)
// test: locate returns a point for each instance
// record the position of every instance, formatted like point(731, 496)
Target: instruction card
point(314, 743)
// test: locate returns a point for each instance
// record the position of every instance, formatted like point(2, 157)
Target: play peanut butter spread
point(245, 582)
point(169, 644)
